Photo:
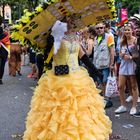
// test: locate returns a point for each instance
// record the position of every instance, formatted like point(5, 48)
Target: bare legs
point(133, 84)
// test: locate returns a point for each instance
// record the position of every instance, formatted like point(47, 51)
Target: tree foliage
point(131, 5)
point(17, 6)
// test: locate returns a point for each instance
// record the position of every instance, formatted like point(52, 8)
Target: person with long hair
point(66, 104)
point(87, 36)
point(127, 69)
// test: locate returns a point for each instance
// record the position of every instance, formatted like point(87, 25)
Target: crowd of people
point(102, 49)
point(110, 52)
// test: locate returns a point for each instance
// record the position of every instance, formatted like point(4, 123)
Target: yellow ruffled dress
point(67, 107)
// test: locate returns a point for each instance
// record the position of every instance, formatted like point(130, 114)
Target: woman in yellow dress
point(67, 107)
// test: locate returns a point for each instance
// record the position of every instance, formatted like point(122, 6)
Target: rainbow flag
point(120, 24)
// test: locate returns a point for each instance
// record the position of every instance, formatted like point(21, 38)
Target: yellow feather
point(39, 8)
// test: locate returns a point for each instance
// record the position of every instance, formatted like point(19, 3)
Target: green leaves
point(131, 5)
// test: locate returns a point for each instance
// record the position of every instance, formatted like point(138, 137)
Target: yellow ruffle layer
point(67, 108)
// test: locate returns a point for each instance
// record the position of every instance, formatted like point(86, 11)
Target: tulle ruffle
point(67, 108)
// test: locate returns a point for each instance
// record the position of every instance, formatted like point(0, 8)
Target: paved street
point(15, 96)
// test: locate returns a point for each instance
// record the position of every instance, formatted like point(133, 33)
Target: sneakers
point(133, 111)
point(137, 115)
point(120, 109)
point(19, 73)
point(30, 75)
point(108, 103)
point(138, 100)
point(129, 99)
point(123, 109)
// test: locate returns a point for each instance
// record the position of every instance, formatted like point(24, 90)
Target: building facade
point(7, 12)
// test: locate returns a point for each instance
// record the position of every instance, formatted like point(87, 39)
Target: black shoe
point(1, 83)
point(19, 73)
point(108, 103)
point(137, 115)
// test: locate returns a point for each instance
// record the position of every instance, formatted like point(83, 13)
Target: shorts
point(105, 73)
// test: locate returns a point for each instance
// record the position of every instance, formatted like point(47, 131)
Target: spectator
point(32, 58)
point(88, 48)
point(25, 58)
point(40, 63)
point(4, 51)
point(127, 69)
point(138, 43)
point(138, 62)
point(108, 29)
point(117, 52)
point(15, 58)
point(103, 53)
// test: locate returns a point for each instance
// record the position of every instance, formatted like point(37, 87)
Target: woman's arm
point(89, 47)
point(84, 58)
point(136, 54)
point(81, 52)
point(122, 53)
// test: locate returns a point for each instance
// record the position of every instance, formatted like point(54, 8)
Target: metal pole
point(119, 11)
point(19, 12)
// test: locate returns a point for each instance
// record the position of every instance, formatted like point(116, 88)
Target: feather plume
point(58, 31)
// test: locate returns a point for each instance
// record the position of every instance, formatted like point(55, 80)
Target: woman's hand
point(111, 67)
point(126, 57)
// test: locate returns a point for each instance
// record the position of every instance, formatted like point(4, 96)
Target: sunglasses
point(127, 25)
point(99, 28)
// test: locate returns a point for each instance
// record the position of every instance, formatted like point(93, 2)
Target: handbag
point(61, 69)
point(111, 86)
point(134, 56)
point(136, 60)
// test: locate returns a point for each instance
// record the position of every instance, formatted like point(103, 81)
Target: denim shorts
point(105, 73)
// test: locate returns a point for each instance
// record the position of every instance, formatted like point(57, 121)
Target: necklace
point(70, 37)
